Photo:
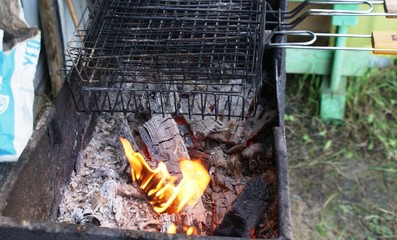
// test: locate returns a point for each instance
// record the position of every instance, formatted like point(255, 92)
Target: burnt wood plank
point(283, 197)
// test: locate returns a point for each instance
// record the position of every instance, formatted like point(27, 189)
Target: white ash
point(100, 192)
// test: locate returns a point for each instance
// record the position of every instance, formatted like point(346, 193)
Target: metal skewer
point(285, 27)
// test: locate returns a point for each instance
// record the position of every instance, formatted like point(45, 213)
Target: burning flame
point(158, 184)
point(186, 229)
point(171, 228)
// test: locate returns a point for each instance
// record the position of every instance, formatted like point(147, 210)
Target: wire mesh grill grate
point(196, 57)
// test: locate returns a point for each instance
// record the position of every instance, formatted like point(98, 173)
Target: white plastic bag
point(17, 71)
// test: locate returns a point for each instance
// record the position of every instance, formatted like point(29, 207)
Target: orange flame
point(186, 229)
point(158, 184)
point(172, 228)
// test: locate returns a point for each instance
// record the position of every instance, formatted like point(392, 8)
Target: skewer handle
point(390, 7)
point(384, 40)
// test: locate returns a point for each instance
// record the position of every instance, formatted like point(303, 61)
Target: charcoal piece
point(246, 211)
point(89, 219)
point(233, 225)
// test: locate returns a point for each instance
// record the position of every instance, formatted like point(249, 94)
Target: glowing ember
point(191, 230)
point(158, 184)
point(186, 229)
point(171, 228)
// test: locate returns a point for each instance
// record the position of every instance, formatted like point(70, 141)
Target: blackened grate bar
point(195, 57)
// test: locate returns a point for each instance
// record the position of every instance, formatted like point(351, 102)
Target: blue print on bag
point(32, 51)
point(6, 104)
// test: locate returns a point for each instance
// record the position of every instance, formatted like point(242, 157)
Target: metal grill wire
point(195, 57)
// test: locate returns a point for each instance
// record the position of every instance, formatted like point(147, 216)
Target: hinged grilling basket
point(201, 57)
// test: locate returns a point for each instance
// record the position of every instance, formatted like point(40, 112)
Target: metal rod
point(306, 3)
point(314, 36)
point(298, 16)
point(349, 35)
point(340, 48)
point(295, 33)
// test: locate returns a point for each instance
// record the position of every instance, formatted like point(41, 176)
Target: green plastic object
point(338, 62)
point(345, 21)
point(319, 62)
point(333, 102)
point(332, 106)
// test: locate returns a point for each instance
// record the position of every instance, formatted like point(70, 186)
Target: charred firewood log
point(246, 211)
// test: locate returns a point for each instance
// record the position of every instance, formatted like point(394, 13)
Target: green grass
point(343, 178)
point(376, 96)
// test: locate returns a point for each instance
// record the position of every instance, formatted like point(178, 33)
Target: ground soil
point(341, 188)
